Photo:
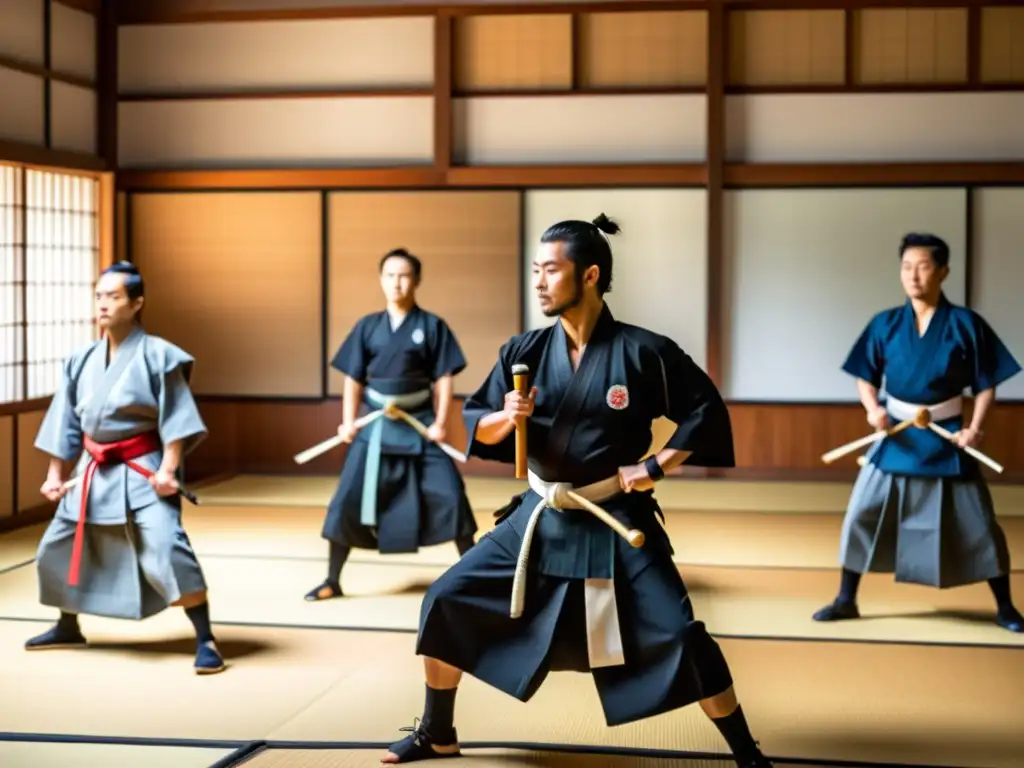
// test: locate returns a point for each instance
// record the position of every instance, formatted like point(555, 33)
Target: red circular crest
point(617, 397)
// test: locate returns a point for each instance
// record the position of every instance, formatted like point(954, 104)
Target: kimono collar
point(603, 328)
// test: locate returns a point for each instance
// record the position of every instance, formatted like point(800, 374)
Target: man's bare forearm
point(55, 471)
point(493, 428)
point(443, 387)
point(670, 458)
point(350, 400)
point(868, 395)
point(982, 404)
point(172, 456)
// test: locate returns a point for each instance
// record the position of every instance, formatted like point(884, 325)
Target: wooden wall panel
point(772, 441)
point(73, 118)
point(72, 41)
point(510, 52)
point(637, 50)
point(469, 243)
point(786, 47)
point(263, 436)
point(21, 33)
point(789, 440)
point(1002, 45)
point(7, 462)
point(121, 228)
point(22, 118)
point(32, 464)
point(911, 45)
point(234, 278)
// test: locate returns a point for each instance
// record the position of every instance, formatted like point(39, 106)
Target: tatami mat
point(816, 700)
point(489, 493)
point(733, 602)
point(481, 758)
point(741, 539)
point(15, 754)
point(136, 678)
point(819, 701)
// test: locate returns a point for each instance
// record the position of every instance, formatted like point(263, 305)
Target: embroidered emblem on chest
point(417, 336)
point(617, 397)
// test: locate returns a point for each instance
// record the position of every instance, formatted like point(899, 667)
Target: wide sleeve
point(178, 416)
point(866, 360)
point(993, 362)
point(446, 354)
point(60, 434)
point(690, 400)
point(489, 398)
point(352, 357)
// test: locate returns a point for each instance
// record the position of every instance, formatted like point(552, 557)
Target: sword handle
point(521, 382)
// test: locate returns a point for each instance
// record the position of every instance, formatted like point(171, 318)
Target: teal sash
point(371, 473)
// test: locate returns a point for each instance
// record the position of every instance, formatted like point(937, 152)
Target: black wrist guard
point(653, 468)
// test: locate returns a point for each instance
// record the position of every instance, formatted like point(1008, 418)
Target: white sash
point(604, 639)
point(939, 412)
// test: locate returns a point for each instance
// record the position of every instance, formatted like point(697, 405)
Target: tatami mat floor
point(15, 754)
point(483, 758)
point(488, 493)
point(918, 695)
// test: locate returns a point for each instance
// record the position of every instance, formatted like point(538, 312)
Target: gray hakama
point(934, 531)
point(920, 507)
point(136, 558)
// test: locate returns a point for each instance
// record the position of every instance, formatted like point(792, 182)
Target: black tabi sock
point(339, 554)
point(439, 715)
point(848, 587)
point(736, 732)
point(464, 544)
point(200, 617)
point(68, 622)
point(1000, 587)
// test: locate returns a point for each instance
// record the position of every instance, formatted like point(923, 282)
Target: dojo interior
point(255, 158)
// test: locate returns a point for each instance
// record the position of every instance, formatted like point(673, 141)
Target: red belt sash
point(106, 454)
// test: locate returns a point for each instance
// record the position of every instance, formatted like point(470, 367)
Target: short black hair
point(402, 253)
point(934, 244)
point(586, 246)
point(134, 285)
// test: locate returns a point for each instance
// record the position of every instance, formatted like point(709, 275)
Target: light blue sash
point(371, 474)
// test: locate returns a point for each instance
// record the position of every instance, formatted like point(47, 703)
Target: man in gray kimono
point(116, 546)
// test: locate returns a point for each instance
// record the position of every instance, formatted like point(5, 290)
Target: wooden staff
point(632, 535)
point(186, 494)
point(520, 380)
point(332, 442)
point(861, 442)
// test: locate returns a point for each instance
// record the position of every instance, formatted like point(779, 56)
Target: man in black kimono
point(592, 603)
point(399, 490)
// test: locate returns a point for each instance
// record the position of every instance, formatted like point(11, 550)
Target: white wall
point(997, 288)
point(659, 274)
point(507, 130)
point(805, 270)
point(873, 127)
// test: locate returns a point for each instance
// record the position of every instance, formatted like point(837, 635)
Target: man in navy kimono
point(399, 490)
point(921, 508)
point(592, 603)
